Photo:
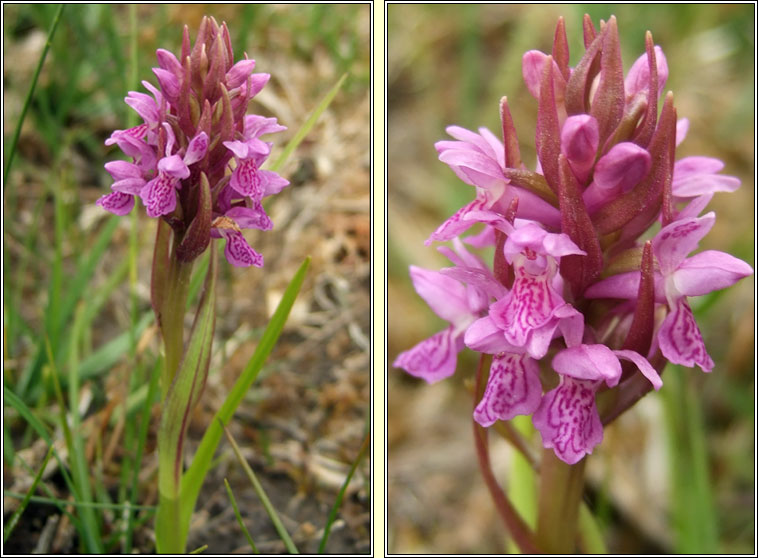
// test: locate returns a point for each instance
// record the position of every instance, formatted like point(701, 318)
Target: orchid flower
point(572, 231)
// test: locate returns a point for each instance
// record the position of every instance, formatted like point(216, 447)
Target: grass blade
point(193, 478)
point(30, 94)
point(141, 441)
point(29, 379)
point(239, 517)
point(67, 503)
point(341, 494)
point(15, 401)
point(306, 127)
point(694, 518)
point(270, 510)
point(81, 490)
point(8, 529)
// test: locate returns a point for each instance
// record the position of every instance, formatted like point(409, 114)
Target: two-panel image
point(198, 232)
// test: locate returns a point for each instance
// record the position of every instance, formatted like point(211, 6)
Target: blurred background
point(675, 474)
point(79, 277)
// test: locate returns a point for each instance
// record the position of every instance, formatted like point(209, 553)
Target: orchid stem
point(561, 488)
point(172, 313)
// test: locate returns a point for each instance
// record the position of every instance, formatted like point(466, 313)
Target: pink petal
point(709, 271)
point(638, 77)
point(271, 182)
point(484, 142)
point(168, 61)
point(131, 186)
point(456, 224)
point(682, 126)
point(433, 359)
point(248, 218)
point(568, 420)
point(159, 195)
point(697, 185)
point(122, 169)
point(473, 168)
point(144, 105)
point(673, 242)
point(445, 296)
point(174, 167)
point(513, 388)
point(623, 166)
point(693, 208)
point(623, 285)
point(680, 339)
point(696, 165)
point(527, 307)
point(238, 252)
point(481, 240)
point(117, 203)
point(239, 148)
point(169, 83)
point(256, 126)
point(579, 141)
point(247, 181)
point(588, 362)
point(532, 64)
point(239, 73)
point(196, 148)
point(485, 336)
point(644, 366)
point(257, 82)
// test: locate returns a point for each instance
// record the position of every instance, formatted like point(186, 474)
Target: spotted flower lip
point(567, 417)
point(591, 251)
point(196, 139)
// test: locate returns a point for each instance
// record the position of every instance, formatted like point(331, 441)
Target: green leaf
point(308, 125)
point(193, 478)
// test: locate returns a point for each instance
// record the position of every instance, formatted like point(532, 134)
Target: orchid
point(581, 278)
point(197, 167)
point(195, 131)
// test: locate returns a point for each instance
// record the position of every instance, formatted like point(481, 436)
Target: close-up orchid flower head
point(197, 154)
point(576, 272)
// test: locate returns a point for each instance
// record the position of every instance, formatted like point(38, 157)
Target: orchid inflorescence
point(194, 127)
point(592, 268)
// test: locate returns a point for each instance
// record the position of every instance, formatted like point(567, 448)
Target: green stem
point(561, 488)
point(168, 535)
point(172, 315)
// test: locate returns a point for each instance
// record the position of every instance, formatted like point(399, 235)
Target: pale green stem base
point(168, 533)
point(169, 537)
point(561, 490)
